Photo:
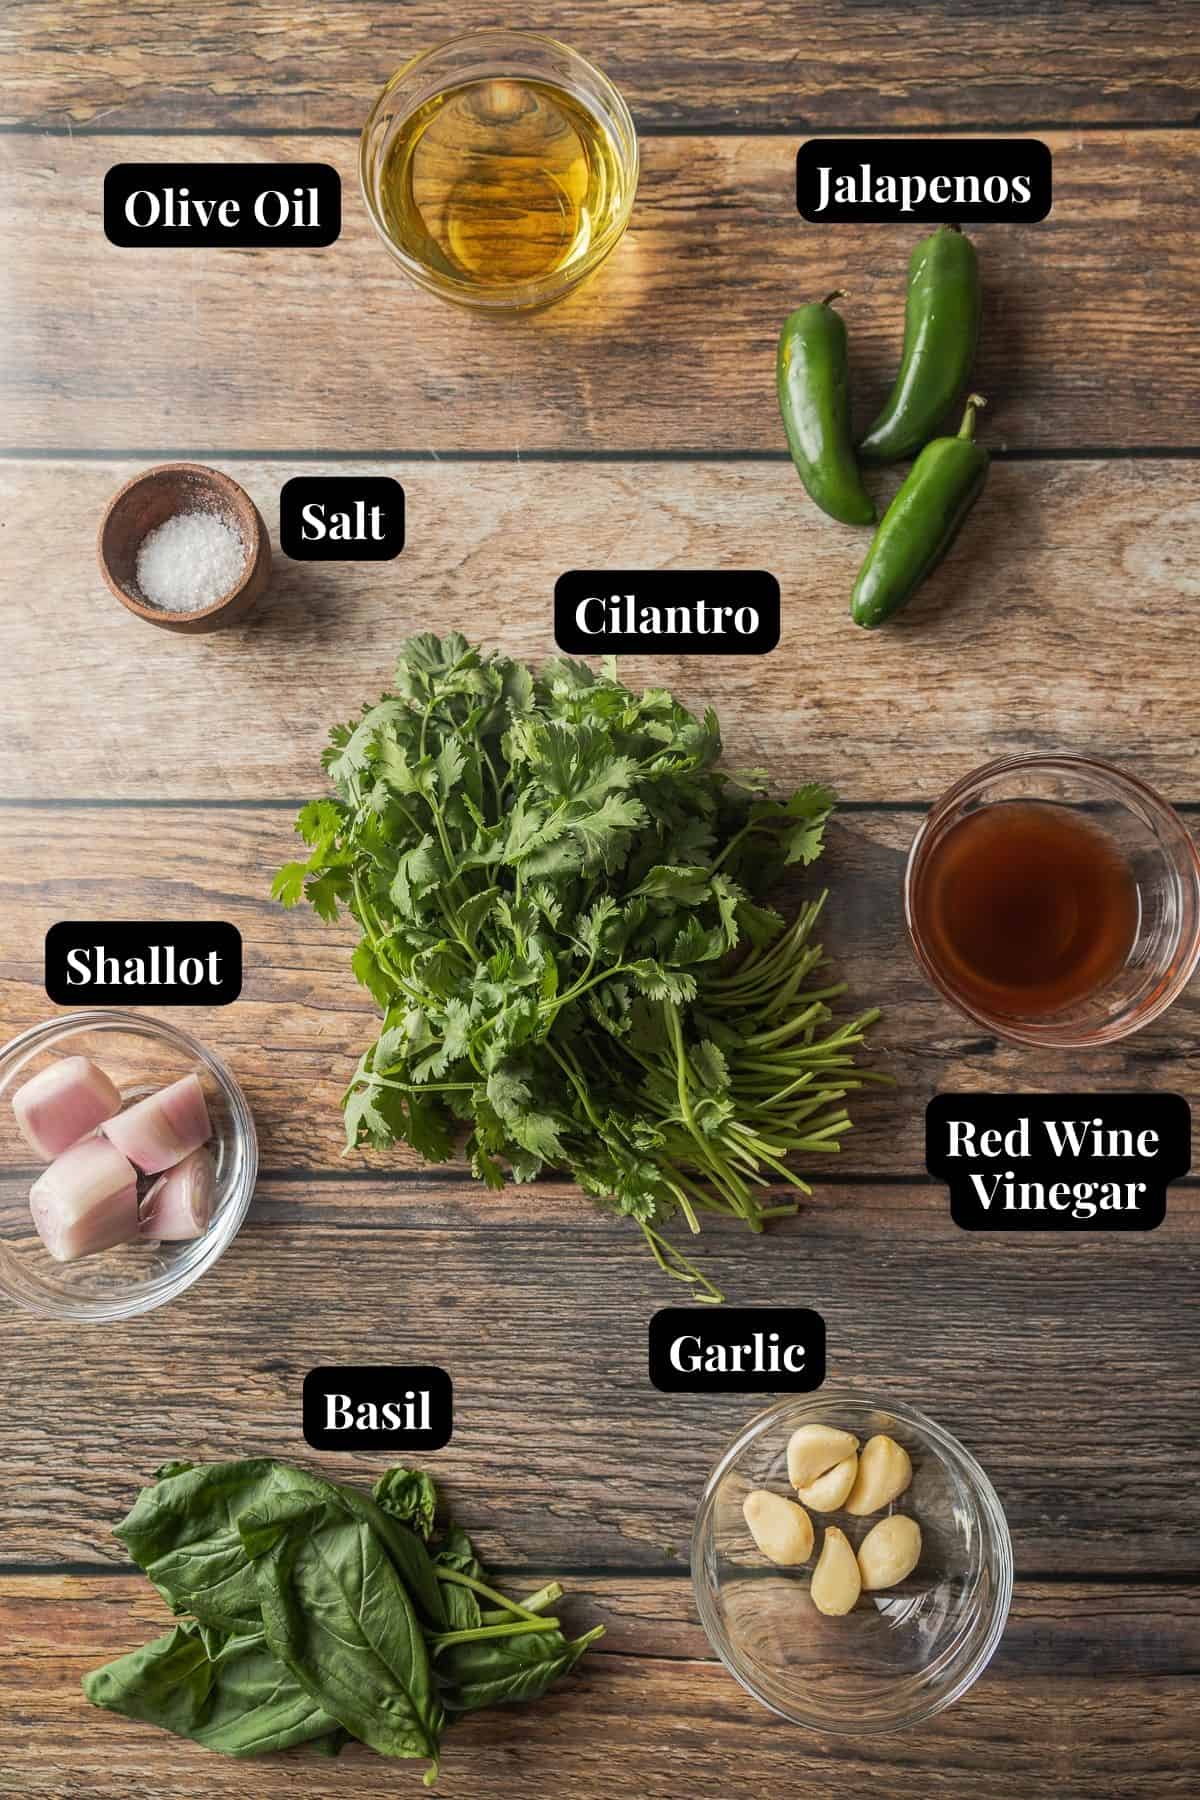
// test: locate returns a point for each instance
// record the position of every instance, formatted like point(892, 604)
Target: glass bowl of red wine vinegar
point(1055, 900)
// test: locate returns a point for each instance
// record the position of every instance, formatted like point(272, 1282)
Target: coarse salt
point(189, 561)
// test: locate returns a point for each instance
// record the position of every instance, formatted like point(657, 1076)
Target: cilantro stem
point(421, 1087)
point(674, 1263)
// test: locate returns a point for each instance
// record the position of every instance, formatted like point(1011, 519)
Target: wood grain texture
point(651, 1698)
point(1088, 337)
point(729, 62)
point(1054, 624)
point(1070, 1369)
point(296, 1034)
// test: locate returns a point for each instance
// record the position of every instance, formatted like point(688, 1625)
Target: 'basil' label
point(737, 1350)
point(951, 181)
point(666, 612)
point(378, 1408)
point(126, 962)
point(222, 206)
point(1058, 1162)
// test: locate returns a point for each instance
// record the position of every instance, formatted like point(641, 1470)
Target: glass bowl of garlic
point(860, 1597)
point(128, 1157)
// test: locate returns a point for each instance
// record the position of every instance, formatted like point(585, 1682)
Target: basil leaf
point(492, 1672)
point(183, 1533)
point(410, 1496)
point(333, 1744)
point(458, 1553)
point(230, 1695)
point(338, 1617)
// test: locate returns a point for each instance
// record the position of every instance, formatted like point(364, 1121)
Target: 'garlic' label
point(1058, 1162)
point(737, 1350)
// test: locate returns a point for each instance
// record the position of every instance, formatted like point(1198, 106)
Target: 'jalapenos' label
point(954, 180)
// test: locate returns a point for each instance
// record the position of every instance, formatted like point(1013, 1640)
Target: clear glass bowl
point(139, 1055)
point(1166, 872)
point(496, 55)
point(901, 1655)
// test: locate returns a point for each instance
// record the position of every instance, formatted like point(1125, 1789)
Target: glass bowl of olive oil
point(499, 169)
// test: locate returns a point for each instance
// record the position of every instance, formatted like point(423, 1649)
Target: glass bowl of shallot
point(128, 1158)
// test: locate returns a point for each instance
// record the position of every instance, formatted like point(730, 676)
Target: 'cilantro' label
point(666, 612)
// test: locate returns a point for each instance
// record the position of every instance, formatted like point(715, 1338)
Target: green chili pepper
point(812, 376)
point(941, 330)
point(921, 523)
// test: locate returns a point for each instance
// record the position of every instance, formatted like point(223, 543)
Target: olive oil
point(1026, 908)
point(501, 182)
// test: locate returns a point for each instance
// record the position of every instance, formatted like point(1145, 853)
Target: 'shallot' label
point(134, 962)
point(1058, 1162)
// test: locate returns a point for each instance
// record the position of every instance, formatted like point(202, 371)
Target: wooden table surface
point(148, 776)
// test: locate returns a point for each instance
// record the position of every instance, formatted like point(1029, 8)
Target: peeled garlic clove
point(159, 1131)
point(884, 1471)
point(63, 1103)
point(86, 1201)
point(828, 1492)
point(179, 1205)
point(814, 1448)
point(890, 1552)
point(836, 1581)
point(781, 1529)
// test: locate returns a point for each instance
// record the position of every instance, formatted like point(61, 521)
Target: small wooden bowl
point(155, 495)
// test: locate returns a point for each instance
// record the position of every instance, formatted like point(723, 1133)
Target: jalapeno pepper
point(921, 523)
point(812, 376)
point(941, 330)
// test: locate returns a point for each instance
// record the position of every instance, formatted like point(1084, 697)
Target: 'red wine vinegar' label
point(1058, 1162)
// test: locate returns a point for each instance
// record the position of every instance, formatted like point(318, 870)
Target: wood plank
point(296, 1034)
point(800, 65)
point(1121, 1719)
point(672, 347)
point(1079, 571)
point(1069, 1370)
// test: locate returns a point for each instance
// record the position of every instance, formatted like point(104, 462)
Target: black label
point(955, 181)
point(341, 518)
point(377, 1408)
point(225, 206)
point(131, 962)
point(737, 1350)
point(666, 612)
point(1058, 1162)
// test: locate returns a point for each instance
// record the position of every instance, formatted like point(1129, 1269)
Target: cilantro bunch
point(560, 900)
